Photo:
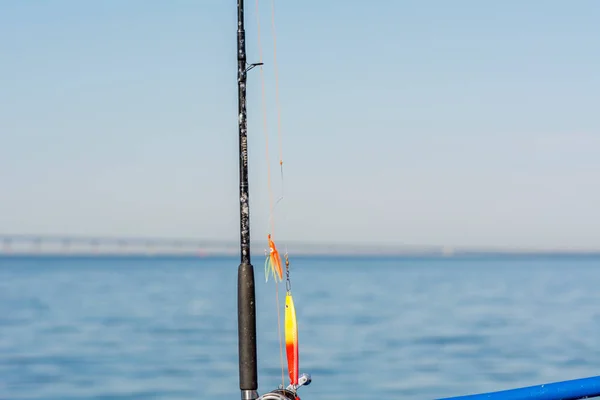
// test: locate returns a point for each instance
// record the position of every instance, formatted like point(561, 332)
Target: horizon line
point(368, 247)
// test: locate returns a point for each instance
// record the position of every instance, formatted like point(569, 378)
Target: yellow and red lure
point(291, 329)
point(273, 262)
point(291, 338)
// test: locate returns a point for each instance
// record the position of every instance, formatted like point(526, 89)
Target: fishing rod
point(575, 389)
point(248, 371)
point(246, 293)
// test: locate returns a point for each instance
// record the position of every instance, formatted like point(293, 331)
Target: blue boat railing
point(566, 390)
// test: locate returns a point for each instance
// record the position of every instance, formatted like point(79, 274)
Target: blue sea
point(412, 328)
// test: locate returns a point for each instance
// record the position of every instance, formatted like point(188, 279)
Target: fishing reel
point(289, 393)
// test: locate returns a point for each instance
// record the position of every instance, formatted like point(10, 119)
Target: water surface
point(76, 328)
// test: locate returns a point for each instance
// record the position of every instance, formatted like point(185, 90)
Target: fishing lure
point(273, 262)
point(291, 338)
point(291, 328)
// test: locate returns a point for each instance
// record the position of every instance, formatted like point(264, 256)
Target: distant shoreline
point(259, 257)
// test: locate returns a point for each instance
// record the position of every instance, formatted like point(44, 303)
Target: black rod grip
point(247, 328)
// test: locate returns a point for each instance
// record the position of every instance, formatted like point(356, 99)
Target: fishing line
point(279, 135)
point(277, 103)
point(278, 106)
point(271, 207)
point(264, 112)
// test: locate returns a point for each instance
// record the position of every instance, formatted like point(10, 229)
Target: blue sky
point(421, 122)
